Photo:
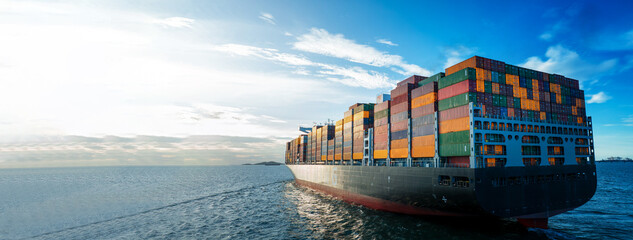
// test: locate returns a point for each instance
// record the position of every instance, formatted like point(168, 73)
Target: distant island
point(270, 163)
point(616, 159)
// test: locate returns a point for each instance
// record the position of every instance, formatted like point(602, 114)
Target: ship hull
point(529, 194)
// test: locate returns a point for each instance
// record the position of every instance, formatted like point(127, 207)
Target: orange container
point(480, 86)
point(357, 156)
point(323, 157)
point(423, 141)
point(455, 125)
point(361, 115)
point(574, 110)
point(423, 151)
point(543, 116)
point(480, 74)
point(424, 100)
point(347, 156)
point(471, 62)
point(495, 88)
point(399, 153)
point(337, 156)
point(559, 99)
point(348, 119)
point(535, 86)
point(400, 143)
point(516, 92)
point(523, 92)
point(380, 154)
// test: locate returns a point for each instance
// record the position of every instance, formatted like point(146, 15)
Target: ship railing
point(455, 165)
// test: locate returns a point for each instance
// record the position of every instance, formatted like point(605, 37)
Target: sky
point(260, 69)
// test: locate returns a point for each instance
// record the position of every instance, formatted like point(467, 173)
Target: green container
point(502, 78)
point(456, 101)
point(453, 150)
point(487, 86)
point(495, 100)
point(461, 75)
point(531, 114)
point(364, 107)
point(455, 137)
point(517, 103)
point(503, 101)
point(528, 83)
point(381, 114)
point(434, 78)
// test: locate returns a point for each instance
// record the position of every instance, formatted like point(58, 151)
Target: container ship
point(485, 138)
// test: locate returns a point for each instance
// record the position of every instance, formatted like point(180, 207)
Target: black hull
point(511, 192)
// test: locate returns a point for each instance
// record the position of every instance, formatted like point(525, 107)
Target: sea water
point(257, 202)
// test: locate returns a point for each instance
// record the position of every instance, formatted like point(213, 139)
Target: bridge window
point(530, 150)
point(554, 140)
point(530, 139)
point(555, 150)
point(556, 161)
point(581, 141)
point(494, 138)
point(528, 162)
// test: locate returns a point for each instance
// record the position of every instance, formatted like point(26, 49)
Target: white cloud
point(320, 41)
point(561, 60)
point(600, 97)
point(354, 76)
point(288, 34)
point(456, 55)
point(385, 41)
point(267, 17)
point(175, 22)
point(546, 36)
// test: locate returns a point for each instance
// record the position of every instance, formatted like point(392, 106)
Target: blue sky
point(262, 68)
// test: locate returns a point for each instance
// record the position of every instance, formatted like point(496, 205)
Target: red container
point(423, 90)
point(400, 90)
point(456, 89)
point(381, 122)
point(382, 106)
point(399, 126)
point(423, 110)
point(400, 99)
point(395, 109)
point(453, 113)
point(415, 79)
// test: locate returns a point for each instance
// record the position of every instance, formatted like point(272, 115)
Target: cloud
point(176, 22)
point(456, 55)
point(351, 76)
point(546, 36)
point(63, 151)
point(385, 41)
point(288, 34)
point(320, 41)
point(561, 60)
point(267, 17)
point(600, 97)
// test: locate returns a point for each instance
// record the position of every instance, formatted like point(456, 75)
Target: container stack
point(455, 92)
point(348, 131)
point(510, 91)
point(423, 108)
point(381, 130)
point(301, 148)
point(338, 140)
point(308, 147)
point(363, 119)
point(318, 140)
point(399, 114)
point(327, 142)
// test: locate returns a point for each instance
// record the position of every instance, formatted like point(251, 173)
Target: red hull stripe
point(376, 203)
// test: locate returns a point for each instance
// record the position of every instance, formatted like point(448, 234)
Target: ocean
point(257, 202)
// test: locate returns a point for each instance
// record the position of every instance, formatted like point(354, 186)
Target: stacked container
point(348, 130)
point(381, 130)
point(399, 114)
point(455, 93)
point(423, 108)
point(510, 91)
point(318, 140)
point(327, 141)
point(338, 140)
point(363, 120)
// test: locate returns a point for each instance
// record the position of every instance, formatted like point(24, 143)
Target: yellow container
point(424, 100)
point(399, 153)
point(455, 125)
point(423, 151)
point(357, 156)
point(380, 154)
point(423, 141)
point(480, 86)
point(400, 143)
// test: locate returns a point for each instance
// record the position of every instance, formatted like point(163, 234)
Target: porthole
point(566, 139)
point(543, 139)
point(516, 136)
point(509, 137)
